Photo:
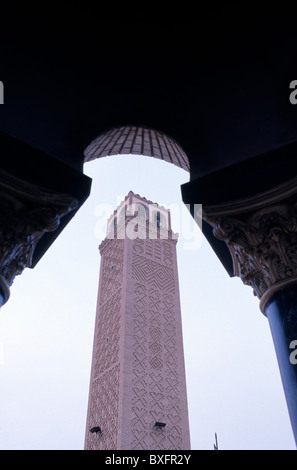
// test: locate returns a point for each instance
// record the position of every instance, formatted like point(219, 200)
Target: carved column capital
point(261, 237)
point(26, 213)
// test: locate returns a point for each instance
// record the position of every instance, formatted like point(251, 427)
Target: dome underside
point(132, 140)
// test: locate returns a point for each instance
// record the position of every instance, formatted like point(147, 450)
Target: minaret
point(137, 397)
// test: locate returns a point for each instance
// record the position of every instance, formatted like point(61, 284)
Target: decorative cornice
point(26, 213)
point(263, 247)
point(261, 234)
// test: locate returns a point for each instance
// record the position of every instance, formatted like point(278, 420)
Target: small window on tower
point(111, 269)
point(158, 219)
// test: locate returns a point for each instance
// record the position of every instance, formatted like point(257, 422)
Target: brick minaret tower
point(137, 397)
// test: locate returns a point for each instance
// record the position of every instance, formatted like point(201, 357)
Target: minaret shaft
point(138, 374)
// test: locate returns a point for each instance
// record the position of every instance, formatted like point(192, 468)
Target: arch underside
point(137, 140)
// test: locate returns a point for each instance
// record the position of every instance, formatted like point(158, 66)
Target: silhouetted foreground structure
point(212, 96)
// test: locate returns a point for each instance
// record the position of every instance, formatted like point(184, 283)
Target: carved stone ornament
point(261, 237)
point(26, 213)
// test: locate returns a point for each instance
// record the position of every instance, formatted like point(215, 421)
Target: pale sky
point(46, 331)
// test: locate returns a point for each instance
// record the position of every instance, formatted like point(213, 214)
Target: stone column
point(261, 234)
point(27, 212)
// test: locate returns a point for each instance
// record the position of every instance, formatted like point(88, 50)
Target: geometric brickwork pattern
point(137, 375)
point(155, 371)
point(104, 400)
point(137, 140)
point(105, 377)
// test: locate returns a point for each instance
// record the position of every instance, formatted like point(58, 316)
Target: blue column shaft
point(281, 311)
